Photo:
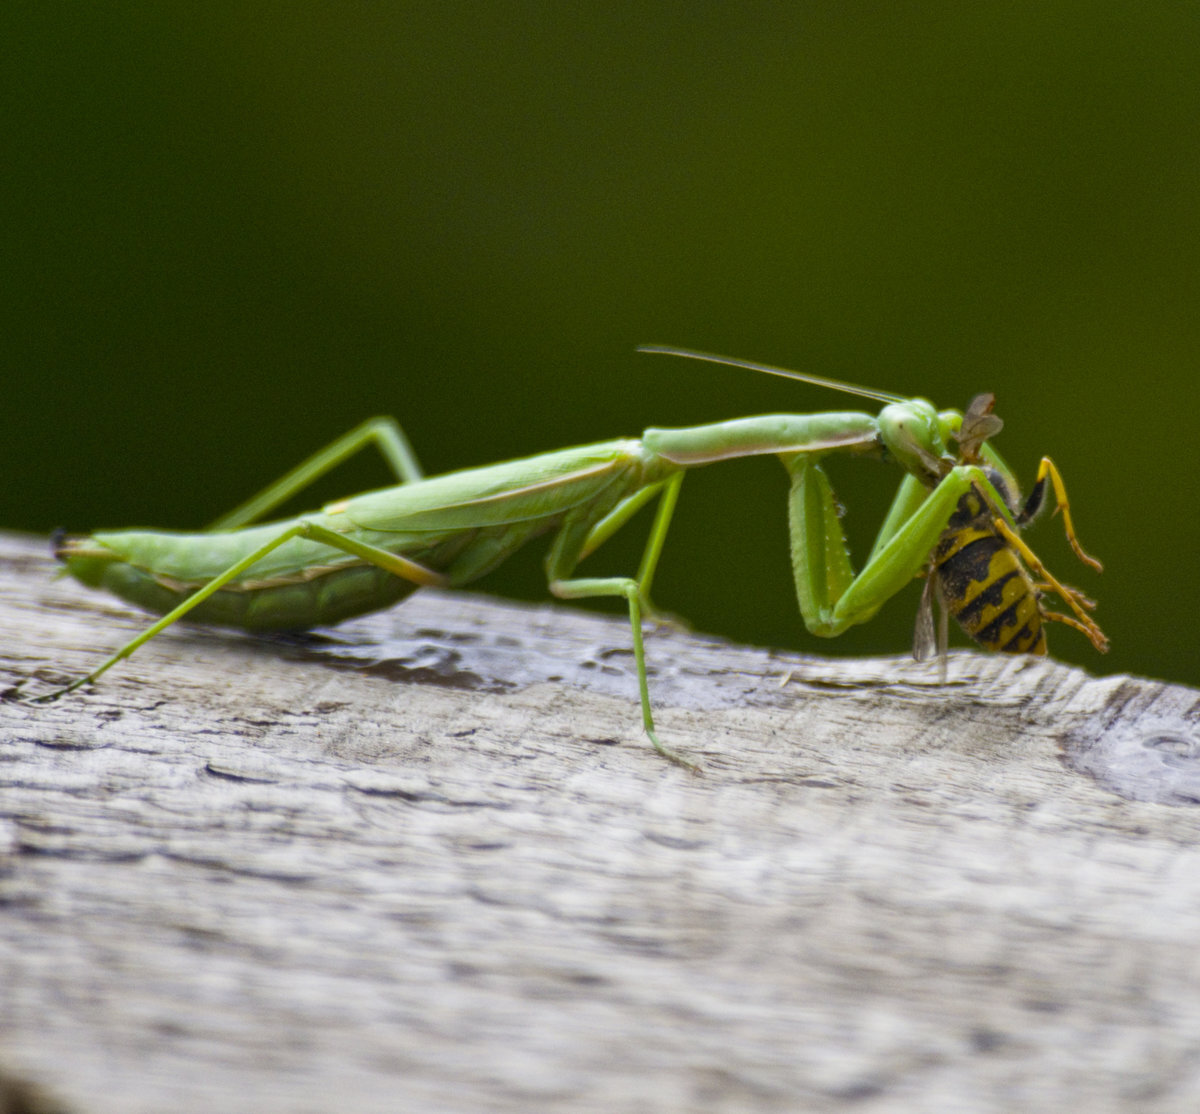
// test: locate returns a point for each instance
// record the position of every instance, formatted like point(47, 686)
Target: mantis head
point(914, 435)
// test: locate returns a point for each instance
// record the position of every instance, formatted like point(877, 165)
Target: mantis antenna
point(769, 369)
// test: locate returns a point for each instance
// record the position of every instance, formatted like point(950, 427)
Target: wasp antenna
point(770, 369)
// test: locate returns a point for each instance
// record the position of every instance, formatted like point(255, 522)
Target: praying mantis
point(954, 520)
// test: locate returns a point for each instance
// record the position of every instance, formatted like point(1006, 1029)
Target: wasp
point(983, 573)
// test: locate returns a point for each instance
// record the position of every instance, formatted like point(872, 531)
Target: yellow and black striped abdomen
point(984, 584)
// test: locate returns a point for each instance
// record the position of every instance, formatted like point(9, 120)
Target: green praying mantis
point(955, 520)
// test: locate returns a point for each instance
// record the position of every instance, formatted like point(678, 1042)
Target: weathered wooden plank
point(432, 864)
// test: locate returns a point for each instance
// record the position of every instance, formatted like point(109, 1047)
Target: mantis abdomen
point(320, 594)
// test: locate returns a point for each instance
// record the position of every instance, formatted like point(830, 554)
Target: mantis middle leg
point(576, 540)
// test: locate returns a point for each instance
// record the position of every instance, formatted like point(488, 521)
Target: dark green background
point(230, 232)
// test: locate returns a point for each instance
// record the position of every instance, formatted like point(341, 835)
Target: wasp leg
point(1058, 617)
point(1068, 595)
point(1034, 504)
point(1080, 598)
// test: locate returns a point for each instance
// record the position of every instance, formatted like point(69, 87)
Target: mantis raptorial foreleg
point(907, 500)
point(912, 493)
point(831, 596)
point(384, 432)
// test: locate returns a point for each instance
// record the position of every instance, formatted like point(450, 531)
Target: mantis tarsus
point(954, 519)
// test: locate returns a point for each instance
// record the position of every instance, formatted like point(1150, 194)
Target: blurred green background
point(232, 231)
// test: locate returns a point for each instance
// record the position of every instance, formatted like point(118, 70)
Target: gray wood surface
point(427, 862)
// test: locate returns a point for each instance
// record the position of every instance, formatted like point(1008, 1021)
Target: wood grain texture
point(427, 862)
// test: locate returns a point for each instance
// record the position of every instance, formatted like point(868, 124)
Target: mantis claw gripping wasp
point(955, 520)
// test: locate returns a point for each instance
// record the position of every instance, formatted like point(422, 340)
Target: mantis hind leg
point(391, 562)
point(383, 432)
point(577, 540)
